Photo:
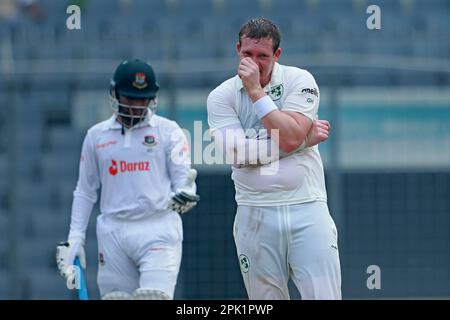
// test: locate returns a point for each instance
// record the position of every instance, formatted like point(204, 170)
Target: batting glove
point(184, 199)
point(66, 252)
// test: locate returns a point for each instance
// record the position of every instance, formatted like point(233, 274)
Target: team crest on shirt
point(140, 81)
point(276, 92)
point(149, 141)
point(244, 261)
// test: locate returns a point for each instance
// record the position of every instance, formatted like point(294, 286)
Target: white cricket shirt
point(136, 171)
point(300, 177)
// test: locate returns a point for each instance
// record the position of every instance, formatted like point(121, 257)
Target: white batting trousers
point(144, 253)
point(279, 242)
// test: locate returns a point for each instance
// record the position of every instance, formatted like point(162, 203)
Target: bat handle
point(82, 291)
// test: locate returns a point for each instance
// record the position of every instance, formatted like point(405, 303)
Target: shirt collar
point(113, 124)
point(275, 79)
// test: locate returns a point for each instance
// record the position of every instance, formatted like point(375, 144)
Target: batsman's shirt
point(300, 176)
point(136, 170)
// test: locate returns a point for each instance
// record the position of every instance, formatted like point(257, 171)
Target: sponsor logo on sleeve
point(312, 91)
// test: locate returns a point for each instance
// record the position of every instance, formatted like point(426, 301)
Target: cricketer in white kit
point(141, 162)
point(282, 228)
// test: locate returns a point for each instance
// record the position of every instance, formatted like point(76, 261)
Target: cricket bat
point(82, 291)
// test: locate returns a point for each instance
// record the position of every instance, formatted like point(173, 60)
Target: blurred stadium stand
point(386, 92)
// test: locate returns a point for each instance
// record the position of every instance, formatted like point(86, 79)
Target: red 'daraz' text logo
point(113, 168)
point(124, 166)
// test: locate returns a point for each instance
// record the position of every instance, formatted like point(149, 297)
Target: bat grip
point(82, 291)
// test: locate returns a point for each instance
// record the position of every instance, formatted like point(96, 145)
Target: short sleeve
point(221, 111)
point(303, 96)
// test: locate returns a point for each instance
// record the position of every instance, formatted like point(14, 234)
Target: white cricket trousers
point(278, 242)
point(144, 253)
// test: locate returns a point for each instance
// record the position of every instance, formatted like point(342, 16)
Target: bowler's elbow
point(289, 145)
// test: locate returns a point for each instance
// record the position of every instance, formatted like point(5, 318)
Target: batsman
point(141, 161)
